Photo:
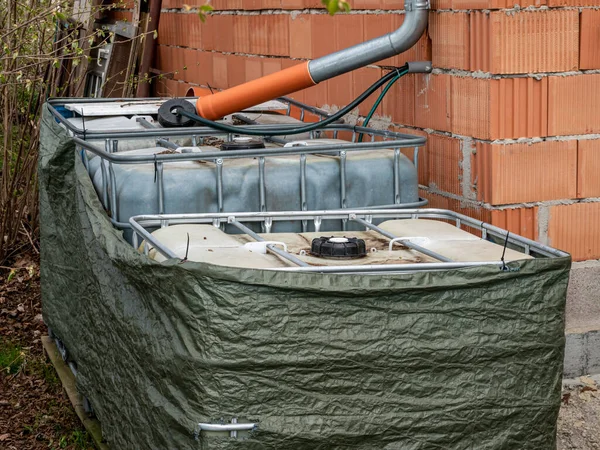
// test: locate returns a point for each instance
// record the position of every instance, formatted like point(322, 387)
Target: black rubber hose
point(302, 129)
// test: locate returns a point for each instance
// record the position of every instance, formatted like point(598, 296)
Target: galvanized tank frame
point(111, 157)
point(110, 154)
point(142, 223)
point(163, 134)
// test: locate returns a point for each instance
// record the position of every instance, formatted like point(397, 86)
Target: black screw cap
point(336, 247)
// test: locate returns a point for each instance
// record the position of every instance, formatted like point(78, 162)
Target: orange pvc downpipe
point(197, 91)
point(252, 93)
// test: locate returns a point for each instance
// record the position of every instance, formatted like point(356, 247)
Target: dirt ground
point(35, 413)
point(579, 418)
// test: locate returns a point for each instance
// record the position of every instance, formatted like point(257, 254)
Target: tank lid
point(338, 247)
point(243, 143)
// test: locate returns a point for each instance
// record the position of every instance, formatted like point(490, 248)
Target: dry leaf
point(587, 380)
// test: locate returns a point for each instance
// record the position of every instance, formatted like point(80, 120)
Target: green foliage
point(12, 357)
point(18, 361)
point(27, 56)
point(42, 54)
point(202, 11)
point(76, 440)
point(40, 51)
point(44, 370)
point(81, 439)
point(335, 6)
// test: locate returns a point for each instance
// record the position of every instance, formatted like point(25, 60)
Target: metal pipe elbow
point(369, 52)
point(413, 27)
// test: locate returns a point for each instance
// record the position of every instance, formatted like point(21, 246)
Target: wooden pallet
point(67, 379)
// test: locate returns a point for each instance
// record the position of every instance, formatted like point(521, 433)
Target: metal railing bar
point(262, 190)
point(309, 108)
point(274, 139)
point(421, 203)
point(103, 170)
point(416, 159)
point(161, 192)
point(270, 247)
point(404, 242)
point(396, 175)
point(208, 131)
point(219, 169)
point(143, 122)
point(380, 268)
point(113, 192)
point(230, 154)
point(303, 204)
point(167, 144)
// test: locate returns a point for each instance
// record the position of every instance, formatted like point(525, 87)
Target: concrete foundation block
point(583, 297)
point(582, 351)
point(582, 354)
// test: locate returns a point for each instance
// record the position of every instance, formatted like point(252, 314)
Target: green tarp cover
point(458, 359)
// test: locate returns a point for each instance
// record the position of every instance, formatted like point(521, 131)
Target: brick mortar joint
point(538, 140)
point(245, 55)
point(508, 206)
point(477, 74)
point(543, 223)
point(282, 12)
point(467, 148)
point(318, 11)
point(517, 9)
point(524, 140)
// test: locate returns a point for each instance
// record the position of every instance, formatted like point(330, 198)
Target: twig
point(30, 240)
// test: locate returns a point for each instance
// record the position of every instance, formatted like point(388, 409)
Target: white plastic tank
point(210, 244)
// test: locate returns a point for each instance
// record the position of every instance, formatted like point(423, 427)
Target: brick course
point(588, 168)
point(518, 173)
point(574, 228)
point(589, 49)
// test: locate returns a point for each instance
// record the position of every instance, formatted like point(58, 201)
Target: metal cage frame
point(364, 217)
point(109, 154)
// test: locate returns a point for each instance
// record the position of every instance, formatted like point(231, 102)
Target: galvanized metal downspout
point(305, 75)
point(369, 52)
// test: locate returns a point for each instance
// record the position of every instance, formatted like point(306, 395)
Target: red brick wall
point(510, 112)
